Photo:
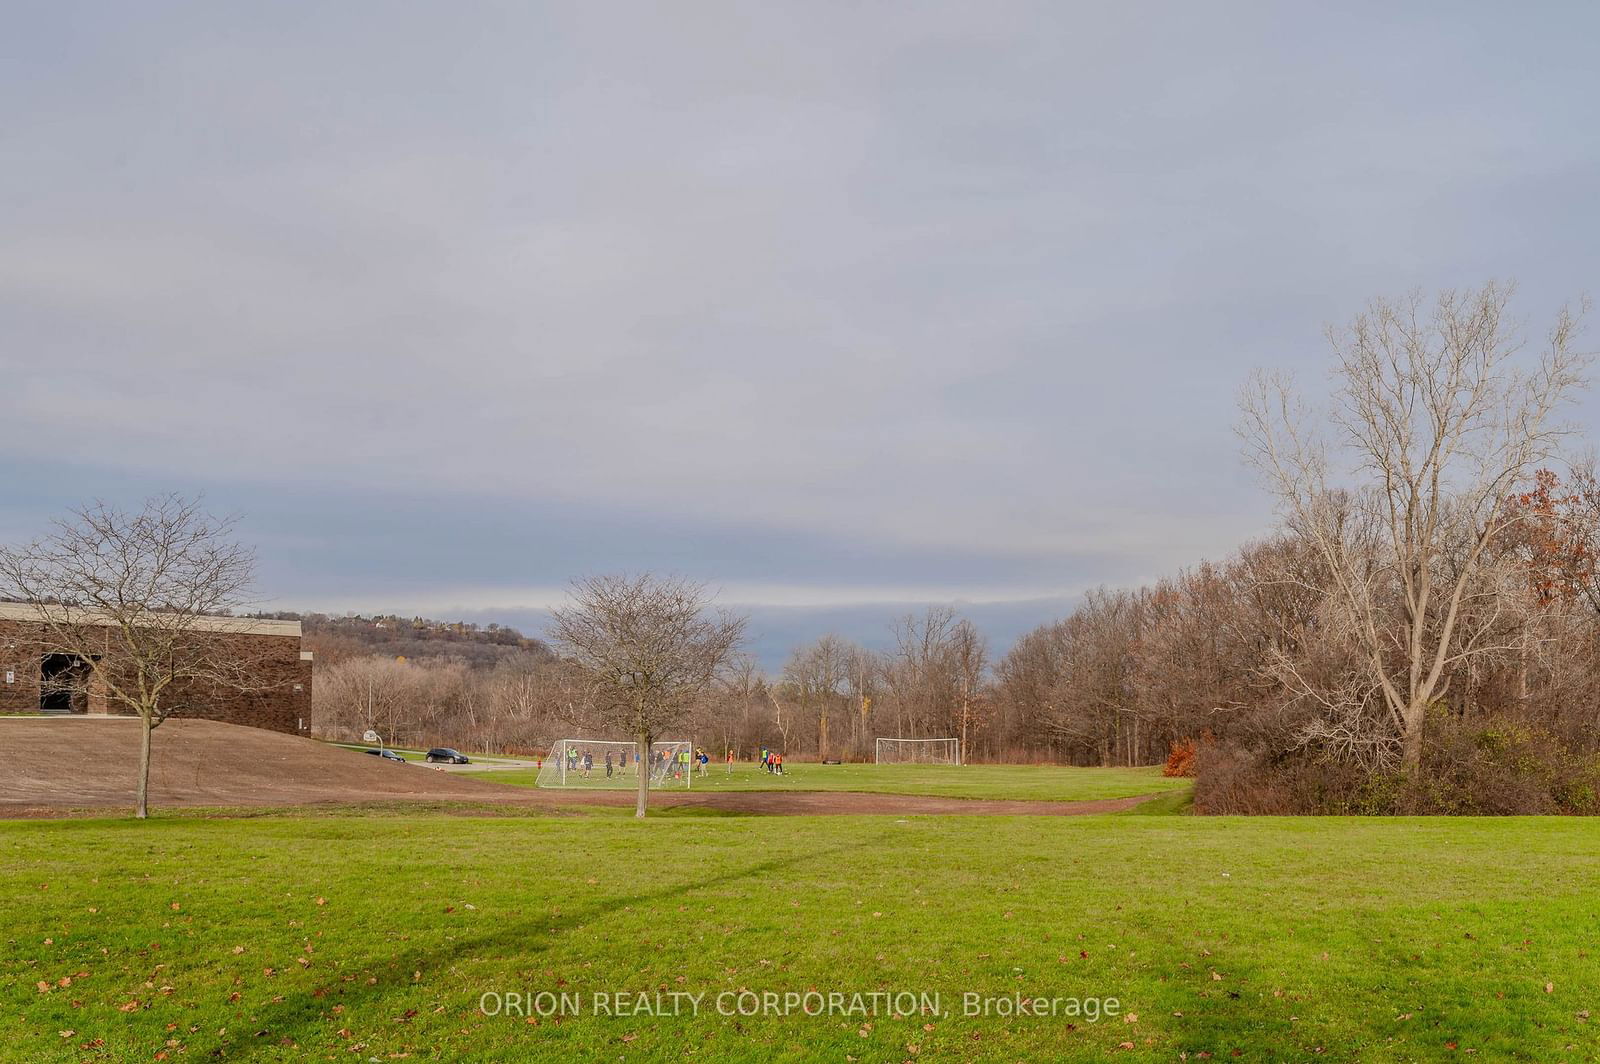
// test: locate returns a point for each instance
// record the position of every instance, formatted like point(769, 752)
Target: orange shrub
point(1180, 762)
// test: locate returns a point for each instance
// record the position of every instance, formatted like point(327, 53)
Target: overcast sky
point(839, 307)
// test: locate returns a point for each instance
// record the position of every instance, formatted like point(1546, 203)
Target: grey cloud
point(951, 298)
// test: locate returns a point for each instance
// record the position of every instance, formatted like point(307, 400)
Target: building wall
point(275, 691)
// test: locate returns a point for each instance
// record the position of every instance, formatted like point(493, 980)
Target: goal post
point(919, 752)
point(613, 763)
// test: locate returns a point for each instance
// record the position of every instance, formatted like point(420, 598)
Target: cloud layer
point(820, 303)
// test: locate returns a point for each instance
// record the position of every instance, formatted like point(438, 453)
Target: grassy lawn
point(1045, 782)
point(343, 938)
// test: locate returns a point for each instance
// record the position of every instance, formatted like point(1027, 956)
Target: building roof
point(25, 611)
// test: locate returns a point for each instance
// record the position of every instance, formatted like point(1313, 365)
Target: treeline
point(835, 697)
point(1252, 662)
point(832, 699)
point(335, 638)
point(1420, 633)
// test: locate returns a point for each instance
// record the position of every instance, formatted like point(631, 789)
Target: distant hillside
point(333, 639)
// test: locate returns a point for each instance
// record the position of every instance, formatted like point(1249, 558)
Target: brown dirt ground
point(60, 765)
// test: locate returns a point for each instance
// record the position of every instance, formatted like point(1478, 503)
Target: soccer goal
point(601, 763)
point(919, 751)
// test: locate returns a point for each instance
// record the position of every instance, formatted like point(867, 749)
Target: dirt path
point(812, 803)
point(58, 766)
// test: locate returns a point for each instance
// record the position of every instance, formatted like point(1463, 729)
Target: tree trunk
point(1411, 742)
point(643, 768)
point(145, 727)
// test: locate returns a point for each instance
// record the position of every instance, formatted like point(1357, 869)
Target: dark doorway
point(64, 684)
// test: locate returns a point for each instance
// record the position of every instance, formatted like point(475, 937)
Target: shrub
point(1180, 761)
point(1483, 767)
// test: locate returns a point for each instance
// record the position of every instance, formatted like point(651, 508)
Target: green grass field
point(375, 938)
point(1043, 782)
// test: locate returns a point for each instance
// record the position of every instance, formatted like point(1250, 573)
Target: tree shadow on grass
point(303, 1017)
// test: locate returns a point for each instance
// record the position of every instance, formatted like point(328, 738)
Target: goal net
point(601, 763)
point(919, 751)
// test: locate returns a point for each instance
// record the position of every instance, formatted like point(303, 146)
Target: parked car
point(445, 755)
point(387, 755)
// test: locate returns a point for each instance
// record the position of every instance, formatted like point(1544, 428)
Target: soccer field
point(1039, 782)
point(386, 937)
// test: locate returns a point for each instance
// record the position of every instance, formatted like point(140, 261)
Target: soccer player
point(608, 764)
point(588, 763)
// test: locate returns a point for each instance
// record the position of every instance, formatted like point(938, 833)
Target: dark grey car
point(445, 755)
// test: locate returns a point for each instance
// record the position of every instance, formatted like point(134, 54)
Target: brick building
point(277, 694)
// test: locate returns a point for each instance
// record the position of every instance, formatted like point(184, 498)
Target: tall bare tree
point(918, 670)
point(1440, 412)
point(142, 601)
point(649, 647)
point(969, 653)
point(739, 680)
point(864, 672)
point(817, 672)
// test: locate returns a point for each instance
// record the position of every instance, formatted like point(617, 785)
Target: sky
point(842, 309)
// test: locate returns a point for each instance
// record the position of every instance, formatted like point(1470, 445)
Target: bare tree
point(817, 672)
point(864, 670)
point(777, 719)
point(739, 680)
point(141, 600)
point(1436, 408)
point(370, 693)
point(649, 647)
point(919, 672)
point(969, 652)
